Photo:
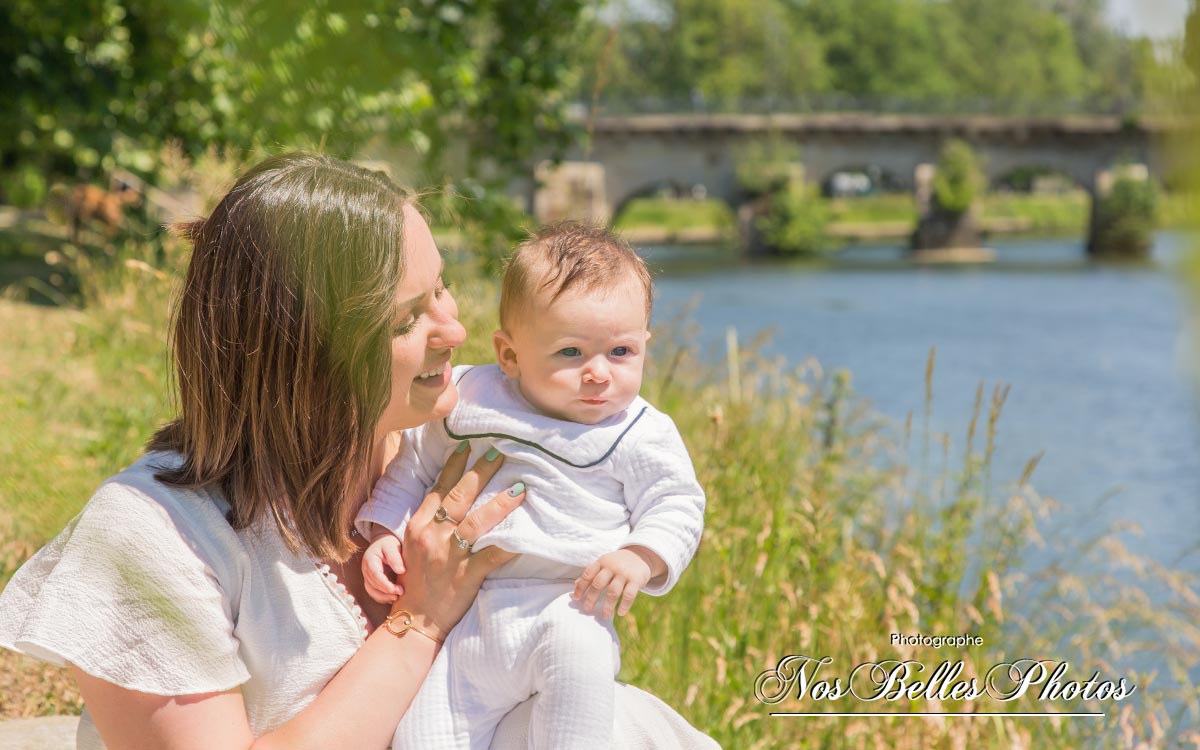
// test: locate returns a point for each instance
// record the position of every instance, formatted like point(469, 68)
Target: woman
point(208, 596)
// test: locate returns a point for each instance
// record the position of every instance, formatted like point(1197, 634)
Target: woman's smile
point(436, 378)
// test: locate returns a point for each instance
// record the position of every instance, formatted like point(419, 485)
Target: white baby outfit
point(590, 489)
point(150, 588)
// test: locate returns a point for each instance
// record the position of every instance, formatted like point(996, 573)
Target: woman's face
point(426, 334)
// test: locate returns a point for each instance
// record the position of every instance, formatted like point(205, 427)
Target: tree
point(710, 53)
point(99, 82)
point(1191, 39)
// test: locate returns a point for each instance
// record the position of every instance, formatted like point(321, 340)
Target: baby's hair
point(565, 256)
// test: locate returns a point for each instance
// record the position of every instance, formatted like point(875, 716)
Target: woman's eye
point(621, 351)
point(570, 351)
point(405, 329)
point(442, 287)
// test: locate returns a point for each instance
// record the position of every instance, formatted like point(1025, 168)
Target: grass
point(1065, 213)
point(827, 530)
point(675, 214)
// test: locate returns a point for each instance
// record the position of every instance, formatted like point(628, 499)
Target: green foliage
point(959, 179)
point(767, 165)
point(24, 187)
point(675, 214)
point(796, 220)
point(715, 52)
point(1125, 218)
point(1016, 56)
point(101, 83)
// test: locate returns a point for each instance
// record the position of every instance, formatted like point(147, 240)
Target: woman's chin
point(445, 402)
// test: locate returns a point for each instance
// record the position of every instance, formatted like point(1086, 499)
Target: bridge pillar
point(571, 190)
point(941, 235)
point(1121, 228)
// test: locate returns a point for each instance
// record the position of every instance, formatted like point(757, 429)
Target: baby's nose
point(596, 372)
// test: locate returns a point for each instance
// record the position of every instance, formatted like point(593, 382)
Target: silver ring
point(441, 514)
point(463, 544)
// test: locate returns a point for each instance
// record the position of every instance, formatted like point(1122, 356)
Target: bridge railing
point(1111, 106)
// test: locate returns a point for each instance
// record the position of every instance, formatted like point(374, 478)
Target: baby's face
point(579, 358)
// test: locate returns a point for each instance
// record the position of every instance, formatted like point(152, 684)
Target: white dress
point(590, 489)
point(151, 589)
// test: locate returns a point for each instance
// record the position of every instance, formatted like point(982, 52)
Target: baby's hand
point(383, 554)
point(623, 573)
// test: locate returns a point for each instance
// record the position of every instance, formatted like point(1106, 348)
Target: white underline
point(931, 713)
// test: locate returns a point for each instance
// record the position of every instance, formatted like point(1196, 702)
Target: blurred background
point(915, 257)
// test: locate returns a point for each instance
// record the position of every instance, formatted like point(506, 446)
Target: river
point(1099, 358)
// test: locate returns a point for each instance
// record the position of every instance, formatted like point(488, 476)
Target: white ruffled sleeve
point(132, 591)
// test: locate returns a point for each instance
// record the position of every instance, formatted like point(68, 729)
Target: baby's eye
point(621, 351)
point(570, 351)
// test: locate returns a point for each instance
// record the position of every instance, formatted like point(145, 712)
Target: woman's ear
point(506, 354)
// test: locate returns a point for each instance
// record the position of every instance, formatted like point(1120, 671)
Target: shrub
point(796, 220)
point(766, 166)
point(959, 179)
point(25, 187)
point(1125, 218)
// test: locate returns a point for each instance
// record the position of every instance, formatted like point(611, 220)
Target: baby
point(612, 503)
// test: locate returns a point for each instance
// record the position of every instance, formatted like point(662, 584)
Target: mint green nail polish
point(492, 454)
point(462, 446)
point(516, 489)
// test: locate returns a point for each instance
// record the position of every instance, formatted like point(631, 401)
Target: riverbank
point(660, 221)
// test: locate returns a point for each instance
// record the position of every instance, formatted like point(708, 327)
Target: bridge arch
point(1038, 177)
point(667, 187)
point(879, 178)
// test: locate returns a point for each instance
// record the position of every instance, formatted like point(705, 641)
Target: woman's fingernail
point(516, 489)
point(462, 446)
point(492, 454)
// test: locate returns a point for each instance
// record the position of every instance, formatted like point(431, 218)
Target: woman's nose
point(447, 333)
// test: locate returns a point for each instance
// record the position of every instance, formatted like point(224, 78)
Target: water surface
point(1097, 355)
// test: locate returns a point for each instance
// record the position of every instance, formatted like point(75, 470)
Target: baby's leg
point(576, 658)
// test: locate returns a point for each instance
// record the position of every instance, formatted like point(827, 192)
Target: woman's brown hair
point(282, 344)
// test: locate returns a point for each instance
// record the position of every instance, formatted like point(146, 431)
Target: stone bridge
point(633, 156)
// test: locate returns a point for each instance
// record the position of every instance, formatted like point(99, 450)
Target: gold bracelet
point(406, 624)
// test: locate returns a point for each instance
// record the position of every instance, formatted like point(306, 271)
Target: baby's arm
point(395, 496)
point(666, 507)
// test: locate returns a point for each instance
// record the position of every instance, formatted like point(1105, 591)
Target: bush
point(25, 187)
point(959, 179)
point(766, 166)
point(796, 220)
point(1125, 218)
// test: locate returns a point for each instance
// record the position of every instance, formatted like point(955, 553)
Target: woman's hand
point(442, 579)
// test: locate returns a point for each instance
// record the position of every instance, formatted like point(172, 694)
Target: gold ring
point(463, 544)
point(441, 514)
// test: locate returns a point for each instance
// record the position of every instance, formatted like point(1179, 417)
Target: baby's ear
point(506, 354)
point(648, 334)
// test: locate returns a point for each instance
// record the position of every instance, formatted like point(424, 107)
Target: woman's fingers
point(447, 479)
point(481, 520)
point(462, 494)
